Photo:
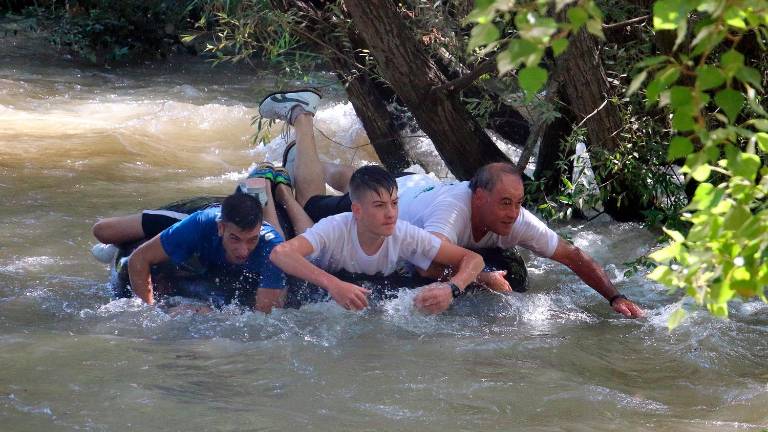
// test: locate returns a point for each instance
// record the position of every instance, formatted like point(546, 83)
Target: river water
point(78, 143)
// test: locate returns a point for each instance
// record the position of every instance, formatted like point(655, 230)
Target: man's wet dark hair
point(243, 210)
point(487, 176)
point(371, 178)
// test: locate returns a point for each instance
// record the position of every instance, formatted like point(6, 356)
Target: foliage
point(535, 31)
point(715, 100)
point(238, 30)
point(105, 31)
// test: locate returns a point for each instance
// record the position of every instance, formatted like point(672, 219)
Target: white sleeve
point(321, 236)
point(418, 246)
point(446, 217)
point(533, 234)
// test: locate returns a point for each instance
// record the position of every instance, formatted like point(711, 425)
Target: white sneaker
point(104, 253)
point(278, 105)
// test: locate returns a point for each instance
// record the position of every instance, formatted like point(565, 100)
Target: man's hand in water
point(494, 280)
point(627, 308)
point(350, 296)
point(433, 298)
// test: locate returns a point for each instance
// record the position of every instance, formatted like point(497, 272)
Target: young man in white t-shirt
point(372, 240)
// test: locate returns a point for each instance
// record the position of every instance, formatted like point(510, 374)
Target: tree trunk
point(589, 93)
point(364, 93)
point(551, 151)
point(369, 105)
point(458, 138)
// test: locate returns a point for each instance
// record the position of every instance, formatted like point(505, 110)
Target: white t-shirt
point(446, 209)
point(336, 247)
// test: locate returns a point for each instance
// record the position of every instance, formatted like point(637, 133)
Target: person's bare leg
point(299, 218)
point(309, 172)
point(119, 230)
point(270, 213)
point(337, 176)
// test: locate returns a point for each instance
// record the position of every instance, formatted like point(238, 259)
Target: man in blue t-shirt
point(229, 242)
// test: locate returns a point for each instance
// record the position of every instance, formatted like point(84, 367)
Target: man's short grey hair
point(488, 176)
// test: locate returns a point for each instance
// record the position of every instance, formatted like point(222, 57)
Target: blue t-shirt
point(196, 238)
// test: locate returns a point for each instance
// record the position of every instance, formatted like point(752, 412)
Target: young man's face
point(500, 207)
point(376, 212)
point(238, 243)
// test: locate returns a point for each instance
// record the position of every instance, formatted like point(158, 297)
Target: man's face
point(376, 213)
point(238, 243)
point(500, 207)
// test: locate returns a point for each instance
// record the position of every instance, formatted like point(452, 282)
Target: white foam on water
point(16, 403)
point(602, 394)
point(27, 264)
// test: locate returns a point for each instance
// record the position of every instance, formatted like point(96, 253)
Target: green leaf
point(637, 81)
point(751, 76)
point(652, 91)
point(595, 27)
point(577, 16)
point(762, 141)
point(731, 101)
point(667, 253)
point(669, 14)
point(679, 96)
point(483, 34)
point(534, 27)
point(709, 77)
point(731, 62)
point(675, 235)
point(482, 13)
point(734, 17)
point(701, 172)
point(661, 274)
point(532, 79)
point(524, 51)
point(668, 75)
point(676, 317)
point(736, 217)
point(504, 62)
point(745, 165)
point(679, 147)
point(559, 46)
point(683, 119)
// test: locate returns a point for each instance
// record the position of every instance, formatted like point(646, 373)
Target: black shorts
point(153, 222)
point(322, 206)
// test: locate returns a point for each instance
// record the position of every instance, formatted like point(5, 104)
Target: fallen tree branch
point(465, 81)
point(626, 23)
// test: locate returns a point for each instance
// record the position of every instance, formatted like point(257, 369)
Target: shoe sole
point(291, 91)
point(287, 150)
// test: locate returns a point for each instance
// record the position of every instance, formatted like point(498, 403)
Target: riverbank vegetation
point(666, 98)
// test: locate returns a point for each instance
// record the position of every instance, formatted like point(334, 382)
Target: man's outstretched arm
point(437, 297)
point(593, 275)
point(290, 257)
point(139, 265)
point(491, 279)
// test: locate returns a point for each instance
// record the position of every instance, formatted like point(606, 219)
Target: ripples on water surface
point(79, 143)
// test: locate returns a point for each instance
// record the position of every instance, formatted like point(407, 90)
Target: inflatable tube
point(220, 290)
